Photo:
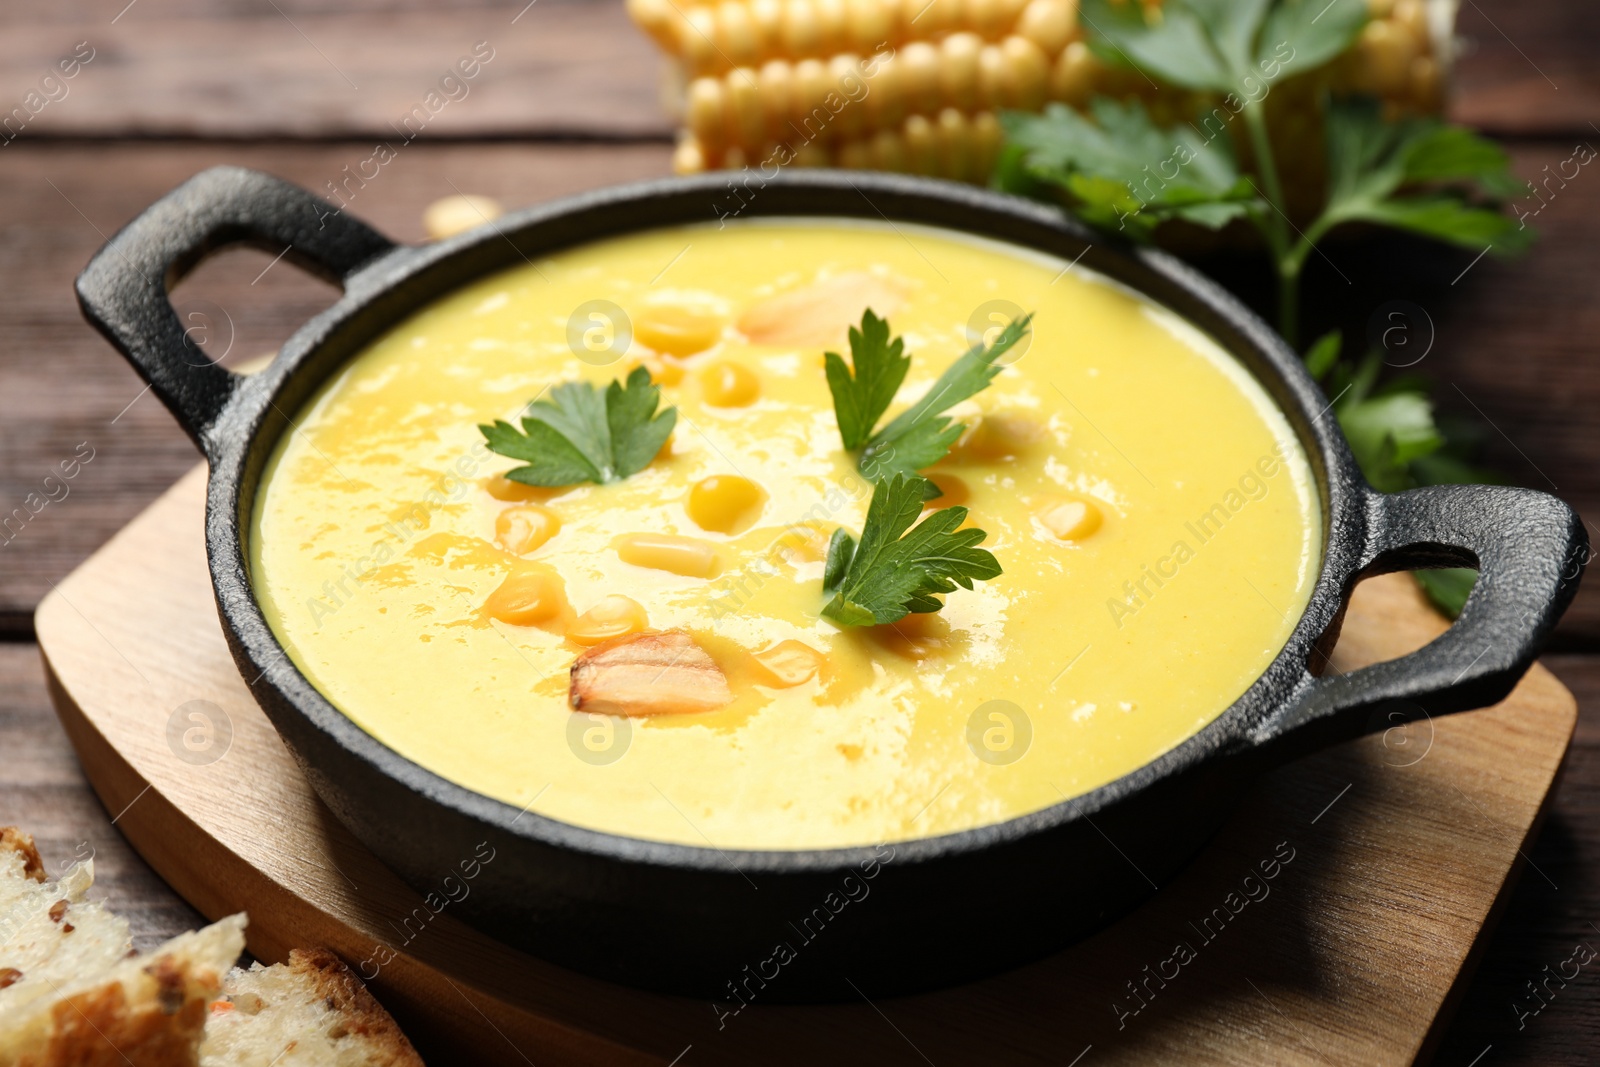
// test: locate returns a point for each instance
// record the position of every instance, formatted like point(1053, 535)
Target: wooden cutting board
point(1388, 857)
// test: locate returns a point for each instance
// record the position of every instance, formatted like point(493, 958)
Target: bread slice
point(50, 935)
point(76, 993)
point(309, 1012)
point(73, 993)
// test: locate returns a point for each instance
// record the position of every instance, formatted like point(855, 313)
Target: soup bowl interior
point(887, 918)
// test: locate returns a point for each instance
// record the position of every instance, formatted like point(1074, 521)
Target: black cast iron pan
point(709, 922)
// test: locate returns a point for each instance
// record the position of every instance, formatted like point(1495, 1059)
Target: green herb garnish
point(581, 434)
point(1119, 170)
point(1107, 165)
point(890, 572)
point(1223, 46)
point(922, 434)
point(880, 365)
point(1399, 444)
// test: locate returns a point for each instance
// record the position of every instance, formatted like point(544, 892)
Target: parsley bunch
point(1121, 171)
point(1417, 174)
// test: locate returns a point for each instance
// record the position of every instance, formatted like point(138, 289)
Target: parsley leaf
point(922, 434)
point(582, 434)
point(1214, 45)
point(1115, 166)
point(1370, 162)
point(859, 401)
point(891, 572)
point(1399, 444)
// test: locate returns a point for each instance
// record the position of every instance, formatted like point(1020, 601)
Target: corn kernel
point(458, 214)
point(930, 20)
point(766, 18)
point(886, 101)
point(788, 664)
point(987, 140)
point(687, 556)
point(502, 488)
point(687, 157)
point(612, 616)
point(919, 75)
point(811, 87)
point(802, 31)
point(989, 18)
point(950, 131)
point(958, 69)
point(528, 596)
point(776, 79)
point(729, 385)
point(833, 18)
point(656, 18)
point(844, 74)
point(746, 122)
point(806, 541)
point(1386, 52)
point(922, 154)
point(697, 40)
point(676, 330)
point(705, 111)
point(1410, 17)
point(664, 370)
point(1049, 24)
point(1070, 518)
point(917, 636)
point(736, 33)
point(1072, 77)
point(522, 529)
point(1000, 436)
point(991, 76)
point(1009, 11)
point(1425, 81)
point(953, 489)
point(871, 25)
point(1027, 73)
point(725, 503)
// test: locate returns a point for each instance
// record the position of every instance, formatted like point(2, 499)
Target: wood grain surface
point(1370, 869)
point(177, 85)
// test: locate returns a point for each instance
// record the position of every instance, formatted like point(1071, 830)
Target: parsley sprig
point(1121, 171)
point(1417, 174)
point(890, 573)
point(922, 434)
point(584, 434)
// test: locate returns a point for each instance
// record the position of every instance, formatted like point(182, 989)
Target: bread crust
point(358, 1011)
point(13, 839)
point(99, 1027)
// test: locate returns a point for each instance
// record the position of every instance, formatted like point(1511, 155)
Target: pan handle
point(124, 290)
point(1530, 550)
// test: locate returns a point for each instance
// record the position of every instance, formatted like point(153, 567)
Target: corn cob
point(914, 85)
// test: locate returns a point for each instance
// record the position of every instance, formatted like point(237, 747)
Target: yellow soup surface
point(1154, 515)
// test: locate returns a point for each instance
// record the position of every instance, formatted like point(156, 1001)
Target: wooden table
point(569, 101)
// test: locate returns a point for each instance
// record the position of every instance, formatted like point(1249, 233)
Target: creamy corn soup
point(1154, 516)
